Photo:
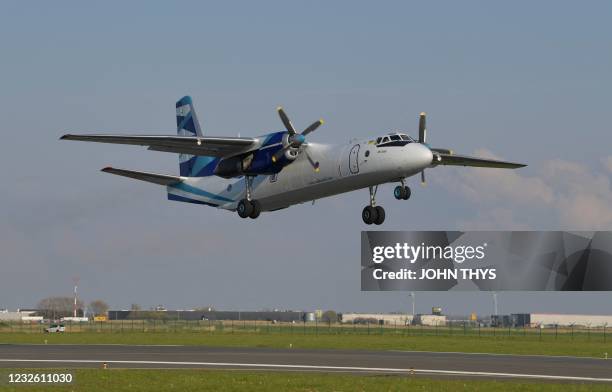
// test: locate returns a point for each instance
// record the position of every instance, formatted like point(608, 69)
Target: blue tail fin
point(187, 124)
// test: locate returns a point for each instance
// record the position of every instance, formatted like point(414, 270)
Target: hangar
point(551, 319)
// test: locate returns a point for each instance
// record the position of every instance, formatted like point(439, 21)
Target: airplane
point(251, 175)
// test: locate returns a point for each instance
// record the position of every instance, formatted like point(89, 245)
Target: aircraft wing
point(159, 179)
point(464, 160)
point(192, 145)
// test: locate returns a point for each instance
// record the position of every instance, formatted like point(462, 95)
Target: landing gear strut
point(373, 213)
point(248, 208)
point(402, 192)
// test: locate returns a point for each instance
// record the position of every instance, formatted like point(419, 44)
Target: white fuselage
point(342, 168)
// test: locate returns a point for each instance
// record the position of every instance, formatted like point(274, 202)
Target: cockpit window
point(394, 139)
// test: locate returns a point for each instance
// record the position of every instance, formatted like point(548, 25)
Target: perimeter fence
point(600, 333)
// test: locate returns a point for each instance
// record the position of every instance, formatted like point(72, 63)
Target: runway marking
point(97, 344)
point(320, 367)
point(495, 354)
point(357, 351)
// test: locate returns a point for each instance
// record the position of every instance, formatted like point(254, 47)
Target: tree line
point(58, 307)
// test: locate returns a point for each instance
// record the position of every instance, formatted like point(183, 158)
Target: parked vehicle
point(55, 328)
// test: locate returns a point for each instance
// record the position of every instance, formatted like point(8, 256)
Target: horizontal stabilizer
point(192, 145)
point(159, 179)
point(464, 160)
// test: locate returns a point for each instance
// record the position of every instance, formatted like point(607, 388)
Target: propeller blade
point(423, 182)
point(286, 121)
point(313, 126)
point(422, 128)
point(315, 165)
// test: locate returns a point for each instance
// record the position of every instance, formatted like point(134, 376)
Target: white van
point(55, 328)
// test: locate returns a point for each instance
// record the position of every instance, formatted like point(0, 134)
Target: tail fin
point(187, 124)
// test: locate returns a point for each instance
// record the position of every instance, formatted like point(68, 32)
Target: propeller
point(423, 128)
point(294, 139)
point(423, 139)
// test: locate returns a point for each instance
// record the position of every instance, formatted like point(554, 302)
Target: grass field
point(197, 380)
point(516, 344)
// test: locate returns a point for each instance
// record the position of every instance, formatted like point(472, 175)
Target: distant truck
point(55, 328)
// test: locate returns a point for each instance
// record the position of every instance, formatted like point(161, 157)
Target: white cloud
point(494, 219)
point(607, 162)
point(569, 194)
point(482, 185)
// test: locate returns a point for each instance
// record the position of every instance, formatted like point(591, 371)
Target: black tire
point(244, 209)
point(369, 215)
point(399, 192)
point(380, 215)
point(256, 209)
point(407, 193)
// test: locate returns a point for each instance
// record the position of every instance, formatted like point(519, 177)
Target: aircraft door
point(354, 159)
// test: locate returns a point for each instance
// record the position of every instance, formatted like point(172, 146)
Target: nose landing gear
point(402, 192)
point(373, 213)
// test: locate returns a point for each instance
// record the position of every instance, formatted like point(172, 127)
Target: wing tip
point(65, 137)
point(107, 169)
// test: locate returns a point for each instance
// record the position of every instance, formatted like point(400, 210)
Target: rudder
point(187, 124)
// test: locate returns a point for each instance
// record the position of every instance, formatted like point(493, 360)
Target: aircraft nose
point(421, 155)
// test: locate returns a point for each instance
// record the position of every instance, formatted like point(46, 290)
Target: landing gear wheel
point(256, 209)
point(401, 192)
point(407, 193)
point(369, 215)
point(380, 215)
point(244, 208)
point(398, 192)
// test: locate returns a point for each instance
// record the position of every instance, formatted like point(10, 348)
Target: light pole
point(495, 303)
point(413, 302)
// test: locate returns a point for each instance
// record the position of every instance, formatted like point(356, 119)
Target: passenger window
point(386, 139)
point(395, 138)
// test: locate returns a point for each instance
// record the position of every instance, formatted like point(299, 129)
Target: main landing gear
point(401, 192)
point(373, 213)
point(248, 208)
point(376, 214)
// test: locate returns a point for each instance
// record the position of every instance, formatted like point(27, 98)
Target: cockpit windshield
point(394, 139)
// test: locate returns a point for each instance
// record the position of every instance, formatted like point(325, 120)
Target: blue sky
point(524, 81)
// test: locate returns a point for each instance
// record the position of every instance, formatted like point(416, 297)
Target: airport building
point(431, 320)
point(378, 318)
point(24, 315)
point(536, 320)
point(280, 316)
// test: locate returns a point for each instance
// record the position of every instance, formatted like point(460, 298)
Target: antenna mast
point(76, 284)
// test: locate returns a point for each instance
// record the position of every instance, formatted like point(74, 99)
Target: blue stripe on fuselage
point(200, 192)
point(174, 197)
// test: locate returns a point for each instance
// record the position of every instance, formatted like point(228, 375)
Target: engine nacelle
point(258, 162)
point(292, 152)
point(230, 167)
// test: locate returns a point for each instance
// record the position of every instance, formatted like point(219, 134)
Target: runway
point(354, 361)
